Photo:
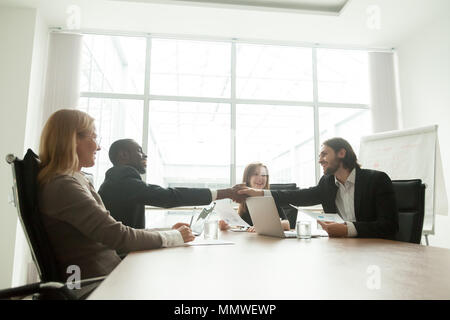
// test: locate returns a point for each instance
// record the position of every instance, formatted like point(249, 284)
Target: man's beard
point(142, 169)
point(333, 167)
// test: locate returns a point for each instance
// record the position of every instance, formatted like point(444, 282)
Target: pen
point(190, 223)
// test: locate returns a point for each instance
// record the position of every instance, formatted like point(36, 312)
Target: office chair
point(410, 195)
point(25, 189)
point(291, 213)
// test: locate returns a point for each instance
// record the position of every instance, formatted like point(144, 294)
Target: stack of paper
point(321, 216)
point(228, 214)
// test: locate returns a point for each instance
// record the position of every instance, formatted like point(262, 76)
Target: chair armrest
point(86, 282)
point(49, 290)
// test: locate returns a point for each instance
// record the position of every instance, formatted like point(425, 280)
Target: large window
point(203, 110)
point(343, 76)
point(114, 119)
point(275, 136)
point(273, 72)
point(189, 144)
point(190, 68)
point(113, 64)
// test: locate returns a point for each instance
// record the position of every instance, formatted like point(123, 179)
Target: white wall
point(20, 98)
point(424, 79)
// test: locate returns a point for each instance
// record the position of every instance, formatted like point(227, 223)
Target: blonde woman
point(80, 229)
point(256, 176)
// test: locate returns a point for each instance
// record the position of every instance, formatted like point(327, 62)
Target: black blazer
point(375, 205)
point(125, 195)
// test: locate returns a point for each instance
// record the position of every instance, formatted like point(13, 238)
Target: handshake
point(239, 193)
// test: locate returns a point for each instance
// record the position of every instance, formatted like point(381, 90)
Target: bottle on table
point(211, 231)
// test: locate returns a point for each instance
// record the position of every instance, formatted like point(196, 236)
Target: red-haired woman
point(256, 175)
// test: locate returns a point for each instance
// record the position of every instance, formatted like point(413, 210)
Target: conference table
point(257, 267)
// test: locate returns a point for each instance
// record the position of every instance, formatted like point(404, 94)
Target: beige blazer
point(81, 230)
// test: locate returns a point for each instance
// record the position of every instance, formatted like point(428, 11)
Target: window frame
point(146, 97)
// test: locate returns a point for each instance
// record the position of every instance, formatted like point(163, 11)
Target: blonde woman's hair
point(58, 145)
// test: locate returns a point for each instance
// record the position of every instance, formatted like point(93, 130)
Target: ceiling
point(301, 6)
point(362, 23)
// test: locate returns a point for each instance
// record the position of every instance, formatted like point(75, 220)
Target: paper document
point(228, 214)
point(203, 242)
point(320, 216)
point(316, 208)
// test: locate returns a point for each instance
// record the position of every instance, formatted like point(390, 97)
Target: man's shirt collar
point(350, 179)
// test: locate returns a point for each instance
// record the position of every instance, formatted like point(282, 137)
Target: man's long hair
point(350, 160)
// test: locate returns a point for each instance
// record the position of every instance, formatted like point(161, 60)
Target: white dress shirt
point(345, 202)
point(173, 238)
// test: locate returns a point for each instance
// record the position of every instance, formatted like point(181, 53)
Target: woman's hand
point(186, 233)
point(251, 229)
point(223, 225)
point(285, 224)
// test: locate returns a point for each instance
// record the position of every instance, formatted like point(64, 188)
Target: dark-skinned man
point(125, 194)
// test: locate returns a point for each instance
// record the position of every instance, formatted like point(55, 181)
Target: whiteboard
point(406, 154)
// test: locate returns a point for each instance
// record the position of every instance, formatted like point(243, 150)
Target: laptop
point(266, 220)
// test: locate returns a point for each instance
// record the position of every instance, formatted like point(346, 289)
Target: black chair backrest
point(291, 213)
point(410, 196)
point(26, 187)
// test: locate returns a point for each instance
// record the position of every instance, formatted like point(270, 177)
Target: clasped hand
point(242, 192)
point(239, 193)
point(236, 196)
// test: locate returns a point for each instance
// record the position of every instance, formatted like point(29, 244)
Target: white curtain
point(383, 101)
point(63, 73)
point(62, 90)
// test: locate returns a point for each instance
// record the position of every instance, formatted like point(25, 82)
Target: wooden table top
point(259, 267)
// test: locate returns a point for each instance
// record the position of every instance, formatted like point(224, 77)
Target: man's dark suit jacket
point(125, 195)
point(375, 205)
